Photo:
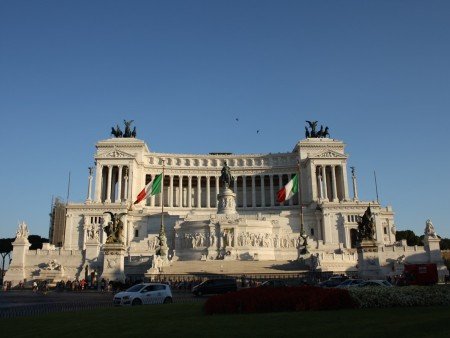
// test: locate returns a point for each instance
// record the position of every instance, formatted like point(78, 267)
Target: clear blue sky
point(376, 72)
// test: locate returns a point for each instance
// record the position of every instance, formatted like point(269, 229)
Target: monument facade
point(220, 207)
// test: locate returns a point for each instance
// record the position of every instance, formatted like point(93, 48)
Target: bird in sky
point(237, 119)
point(257, 131)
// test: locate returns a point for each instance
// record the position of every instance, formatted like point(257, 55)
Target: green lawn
point(187, 320)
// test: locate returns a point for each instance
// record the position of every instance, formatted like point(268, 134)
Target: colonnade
point(331, 181)
point(112, 183)
point(198, 191)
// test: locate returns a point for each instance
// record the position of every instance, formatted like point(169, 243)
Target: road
point(28, 303)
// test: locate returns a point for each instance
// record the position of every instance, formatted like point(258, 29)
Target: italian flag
point(153, 188)
point(288, 190)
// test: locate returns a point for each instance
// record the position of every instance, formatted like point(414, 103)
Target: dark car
point(349, 283)
point(274, 283)
point(212, 286)
point(333, 281)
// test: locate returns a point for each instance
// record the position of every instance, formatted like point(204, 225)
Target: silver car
point(146, 293)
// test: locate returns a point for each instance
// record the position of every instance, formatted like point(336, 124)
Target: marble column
point(333, 179)
point(125, 181)
point(180, 191)
point(280, 184)
point(324, 182)
point(171, 191)
point(319, 183)
point(326, 228)
point(88, 199)
point(189, 196)
point(263, 192)
point(253, 192)
point(217, 190)
point(119, 185)
point(244, 191)
point(208, 192)
point(108, 186)
point(199, 191)
point(130, 183)
point(345, 183)
point(98, 182)
point(272, 193)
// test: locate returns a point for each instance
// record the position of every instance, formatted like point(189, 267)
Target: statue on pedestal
point(366, 226)
point(22, 231)
point(321, 133)
point(429, 229)
point(226, 178)
point(114, 228)
point(117, 132)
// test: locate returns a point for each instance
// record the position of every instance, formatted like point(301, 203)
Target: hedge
point(266, 299)
point(382, 297)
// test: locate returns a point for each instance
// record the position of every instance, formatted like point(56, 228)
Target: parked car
point(146, 293)
point(333, 281)
point(375, 282)
point(349, 283)
point(212, 286)
point(274, 283)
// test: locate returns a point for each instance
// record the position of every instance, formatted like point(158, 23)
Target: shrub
point(381, 297)
point(264, 299)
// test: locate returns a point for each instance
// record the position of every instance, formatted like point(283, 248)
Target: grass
point(187, 320)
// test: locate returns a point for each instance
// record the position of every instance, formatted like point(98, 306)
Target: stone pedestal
point(51, 276)
point(92, 249)
point(431, 246)
point(226, 201)
point(113, 262)
point(368, 260)
point(16, 271)
point(158, 264)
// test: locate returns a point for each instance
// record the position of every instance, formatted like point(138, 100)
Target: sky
point(376, 72)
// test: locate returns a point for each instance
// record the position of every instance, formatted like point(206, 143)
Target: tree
point(36, 241)
point(445, 244)
point(5, 251)
point(410, 236)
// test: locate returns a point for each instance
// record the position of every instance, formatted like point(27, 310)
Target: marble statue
point(429, 229)
point(366, 226)
point(114, 228)
point(226, 178)
point(22, 231)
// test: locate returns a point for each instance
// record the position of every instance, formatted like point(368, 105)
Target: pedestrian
point(103, 284)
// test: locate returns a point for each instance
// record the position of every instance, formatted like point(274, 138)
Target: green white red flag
point(289, 190)
point(152, 188)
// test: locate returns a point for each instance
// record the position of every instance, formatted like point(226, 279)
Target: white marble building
point(261, 230)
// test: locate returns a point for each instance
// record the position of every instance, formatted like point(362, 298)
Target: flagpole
point(300, 202)
point(162, 200)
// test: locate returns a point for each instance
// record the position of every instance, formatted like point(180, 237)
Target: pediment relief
point(329, 154)
point(115, 153)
